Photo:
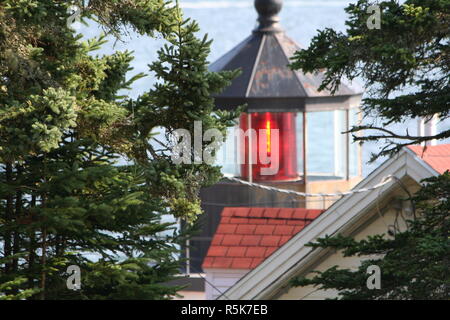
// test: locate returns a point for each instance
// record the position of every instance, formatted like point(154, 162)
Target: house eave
point(271, 275)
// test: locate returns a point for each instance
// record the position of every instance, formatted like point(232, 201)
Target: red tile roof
point(438, 157)
point(247, 236)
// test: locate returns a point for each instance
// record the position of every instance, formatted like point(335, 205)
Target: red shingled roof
point(438, 157)
point(247, 236)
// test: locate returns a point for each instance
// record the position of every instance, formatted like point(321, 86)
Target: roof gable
point(269, 277)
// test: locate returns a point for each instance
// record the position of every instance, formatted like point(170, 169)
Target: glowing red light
point(268, 136)
point(281, 152)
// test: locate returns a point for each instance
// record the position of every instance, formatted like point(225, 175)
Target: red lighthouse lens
point(274, 147)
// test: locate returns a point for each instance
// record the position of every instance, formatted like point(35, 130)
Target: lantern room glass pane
point(327, 144)
point(300, 157)
point(229, 153)
point(320, 139)
point(354, 148)
point(340, 145)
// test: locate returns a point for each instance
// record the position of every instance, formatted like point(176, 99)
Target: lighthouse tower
point(294, 135)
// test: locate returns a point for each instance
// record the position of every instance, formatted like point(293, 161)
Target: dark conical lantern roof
point(266, 82)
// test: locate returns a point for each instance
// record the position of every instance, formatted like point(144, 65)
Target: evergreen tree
point(65, 198)
point(405, 66)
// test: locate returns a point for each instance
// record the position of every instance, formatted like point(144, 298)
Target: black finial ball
point(267, 8)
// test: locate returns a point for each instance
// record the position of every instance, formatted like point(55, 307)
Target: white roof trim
point(262, 281)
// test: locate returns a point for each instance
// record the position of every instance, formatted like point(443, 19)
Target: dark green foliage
point(65, 199)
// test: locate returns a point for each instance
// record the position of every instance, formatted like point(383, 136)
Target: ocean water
point(228, 23)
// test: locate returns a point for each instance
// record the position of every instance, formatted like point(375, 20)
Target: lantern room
point(290, 131)
point(290, 136)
